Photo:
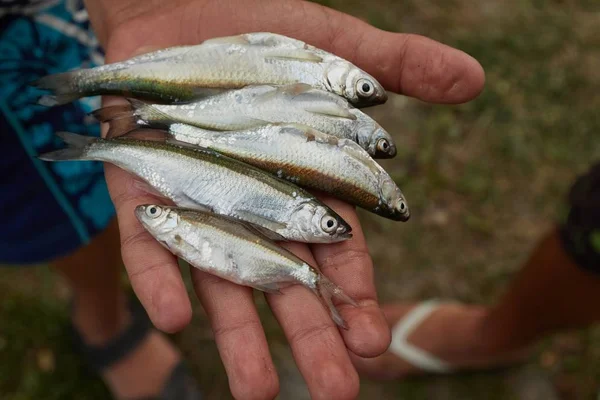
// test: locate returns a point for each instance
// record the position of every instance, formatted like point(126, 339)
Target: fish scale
point(308, 158)
point(205, 179)
point(258, 105)
point(186, 73)
point(235, 252)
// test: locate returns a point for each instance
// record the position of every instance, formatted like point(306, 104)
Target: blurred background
point(484, 181)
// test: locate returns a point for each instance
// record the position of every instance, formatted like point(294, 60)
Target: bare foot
point(456, 334)
point(141, 373)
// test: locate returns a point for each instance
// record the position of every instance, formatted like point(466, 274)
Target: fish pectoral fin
point(271, 288)
point(330, 109)
point(294, 55)
point(312, 135)
point(295, 89)
point(263, 226)
point(180, 143)
point(259, 230)
point(196, 206)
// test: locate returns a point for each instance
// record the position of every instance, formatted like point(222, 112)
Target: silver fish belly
point(310, 159)
point(254, 106)
point(207, 180)
point(180, 74)
point(235, 252)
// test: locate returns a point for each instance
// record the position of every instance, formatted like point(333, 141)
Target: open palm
point(407, 64)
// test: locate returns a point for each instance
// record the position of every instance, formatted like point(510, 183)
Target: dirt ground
point(484, 180)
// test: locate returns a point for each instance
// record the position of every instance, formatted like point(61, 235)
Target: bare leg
point(92, 273)
point(550, 293)
point(100, 313)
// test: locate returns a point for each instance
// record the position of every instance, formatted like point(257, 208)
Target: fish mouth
point(343, 232)
point(404, 217)
point(140, 210)
point(396, 215)
point(382, 97)
point(340, 238)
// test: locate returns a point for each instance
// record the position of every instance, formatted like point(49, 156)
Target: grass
point(484, 181)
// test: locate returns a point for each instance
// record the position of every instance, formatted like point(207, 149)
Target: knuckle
point(311, 332)
point(145, 270)
point(136, 239)
point(357, 257)
point(224, 330)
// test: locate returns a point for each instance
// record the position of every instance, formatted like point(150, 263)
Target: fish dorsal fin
point(293, 55)
point(235, 39)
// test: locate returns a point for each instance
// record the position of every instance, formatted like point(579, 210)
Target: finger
point(404, 63)
point(349, 265)
point(239, 336)
point(153, 271)
point(409, 64)
point(316, 344)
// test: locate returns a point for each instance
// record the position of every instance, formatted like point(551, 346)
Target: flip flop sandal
point(429, 363)
point(412, 354)
point(179, 386)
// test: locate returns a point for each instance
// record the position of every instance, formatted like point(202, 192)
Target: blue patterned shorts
point(47, 209)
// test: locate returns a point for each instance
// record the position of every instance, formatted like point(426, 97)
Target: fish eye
point(365, 88)
point(329, 224)
point(383, 145)
point(153, 211)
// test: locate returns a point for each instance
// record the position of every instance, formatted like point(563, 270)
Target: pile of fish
point(249, 122)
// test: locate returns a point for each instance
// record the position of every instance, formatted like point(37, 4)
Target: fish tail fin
point(76, 150)
point(327, 290)
point(148, 114)
point(120, 118)
point(62, 87)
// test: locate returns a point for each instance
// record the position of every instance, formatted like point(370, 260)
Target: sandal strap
point(410, 353)
point(101, 357)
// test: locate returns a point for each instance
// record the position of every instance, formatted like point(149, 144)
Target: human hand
point(407, 64)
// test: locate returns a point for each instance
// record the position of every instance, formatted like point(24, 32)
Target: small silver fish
point(310, 159)
point(185, 73)
point(254, 106)
point(236, 252)
point(203, 179)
